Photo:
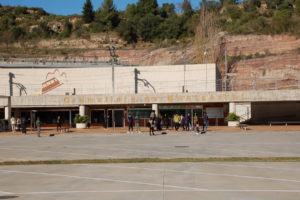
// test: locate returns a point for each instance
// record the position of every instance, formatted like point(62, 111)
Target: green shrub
point(232, 117)
point(81, 119)
point(234, 12)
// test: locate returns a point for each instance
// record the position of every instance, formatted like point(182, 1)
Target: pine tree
point(186, 6)
point(88, 13)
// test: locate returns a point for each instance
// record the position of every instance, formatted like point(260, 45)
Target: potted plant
point(81, 121)
point(233, 119)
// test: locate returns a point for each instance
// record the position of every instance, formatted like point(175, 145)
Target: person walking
point(130, 124)
point(13, 124)
point(38, 126)
point(58, 124)
point(23, 125)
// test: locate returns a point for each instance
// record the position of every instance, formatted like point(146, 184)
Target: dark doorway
point(115, 118)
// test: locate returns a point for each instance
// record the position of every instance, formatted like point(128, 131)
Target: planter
point(81, 125)
point(233, 123)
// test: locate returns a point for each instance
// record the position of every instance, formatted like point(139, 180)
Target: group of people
point(156, 122)
point(20, 124)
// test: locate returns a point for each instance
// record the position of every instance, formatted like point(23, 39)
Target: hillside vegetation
point(146, 21)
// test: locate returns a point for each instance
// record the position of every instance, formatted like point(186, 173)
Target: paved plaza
point(148, 181)
point(172, 145)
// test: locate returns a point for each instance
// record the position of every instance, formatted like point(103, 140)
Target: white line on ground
point(193, 172)
point(1, 192)
point(56, 152)
point(136, 191)
point(102, 179)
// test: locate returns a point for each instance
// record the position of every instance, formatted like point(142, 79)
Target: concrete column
point(7, 110)
point(232, 107)
point(155, 108)
point(82, 110)
point(7, 113)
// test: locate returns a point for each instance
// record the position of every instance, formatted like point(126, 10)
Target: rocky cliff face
point(256, 61)
point(264, 62)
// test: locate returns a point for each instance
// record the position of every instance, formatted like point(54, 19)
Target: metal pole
point(184, 71)
point(113, 76)
point(205, 58)
point(226, 69)
point(113, 59)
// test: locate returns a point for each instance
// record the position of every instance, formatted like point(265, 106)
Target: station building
point(109, 94)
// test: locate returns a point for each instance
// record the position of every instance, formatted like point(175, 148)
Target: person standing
point(195, 120)
point(18, 124)
point(13, 124)
point(166, 121)
point(176, 120)
point(151, 126)
point(152, 122)
point(205, 122)
point(158, 122)
point(182, 122)
point(137, 124)
point(130, 124)
point(23, 125)
point(58, 124)
point(189, 122)
point(38, 126)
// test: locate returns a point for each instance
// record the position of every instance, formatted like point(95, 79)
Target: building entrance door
point(115, 117)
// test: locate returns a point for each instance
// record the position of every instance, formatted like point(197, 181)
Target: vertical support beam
point(7, 109)
point(136, 73)
point(82, 110)
point(155, 108)
point(10, 82)
point(70, 118)
point(232, 107)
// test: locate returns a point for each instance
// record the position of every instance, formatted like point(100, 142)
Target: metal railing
point(41, 61)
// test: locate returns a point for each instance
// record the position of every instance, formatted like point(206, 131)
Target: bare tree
point(207, 38)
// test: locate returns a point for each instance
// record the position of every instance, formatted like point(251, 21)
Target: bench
point(284, 122)
point(243, 126)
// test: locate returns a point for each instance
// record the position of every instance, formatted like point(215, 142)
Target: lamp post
point(113, 56)
point(184, 72)
point(205, 59)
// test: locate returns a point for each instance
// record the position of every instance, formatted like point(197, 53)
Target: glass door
point(115, 117)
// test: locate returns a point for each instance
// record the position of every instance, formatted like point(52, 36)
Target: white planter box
point(233, 123)
point(81, 125)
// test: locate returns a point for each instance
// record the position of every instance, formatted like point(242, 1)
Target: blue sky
point(67, 7)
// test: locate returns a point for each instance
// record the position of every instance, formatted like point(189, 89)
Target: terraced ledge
point(154, 160)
